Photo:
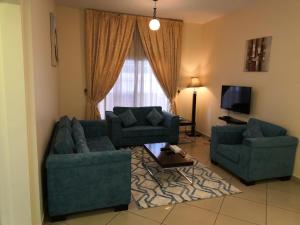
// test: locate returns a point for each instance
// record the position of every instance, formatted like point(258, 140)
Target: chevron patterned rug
point(175, 189)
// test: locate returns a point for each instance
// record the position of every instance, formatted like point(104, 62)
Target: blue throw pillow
point(64, 143)
point(81, 146)
point(65, 122)
point(77, 130)
point(154, 117)
point(127, 118)
point(253, 131)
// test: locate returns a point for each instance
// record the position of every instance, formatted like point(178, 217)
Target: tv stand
point(231, 120)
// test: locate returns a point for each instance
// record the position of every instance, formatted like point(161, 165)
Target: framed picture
point(53, 39)
point(258, 54)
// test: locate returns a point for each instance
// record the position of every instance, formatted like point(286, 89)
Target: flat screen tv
point(236, 98)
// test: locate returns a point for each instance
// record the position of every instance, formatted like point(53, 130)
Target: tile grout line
point(247, 221)
point(167, 215)
point(267, 203)
point(235, 196)
point(285, 209)
point(219, 210)
point(117, 214)
point(143, 217)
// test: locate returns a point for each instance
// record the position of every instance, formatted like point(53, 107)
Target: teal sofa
point(271, 155)
point(142, 131)
point(97, 177)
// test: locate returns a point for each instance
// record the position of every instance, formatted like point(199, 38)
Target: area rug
point(175, 189)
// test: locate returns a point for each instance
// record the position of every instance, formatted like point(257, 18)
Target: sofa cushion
point(154, 117)
point(140, 113)
point(230, 152)
point(65, 122)
point(253, 130)
point(142, 131)
point(127, 118)
point(100, 144)
point(63, 143)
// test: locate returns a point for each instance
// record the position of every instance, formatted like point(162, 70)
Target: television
point(236, 98)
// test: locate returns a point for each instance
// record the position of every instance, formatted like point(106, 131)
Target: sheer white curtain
point(137, 84)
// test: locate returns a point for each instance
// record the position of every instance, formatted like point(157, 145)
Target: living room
point(41, 90)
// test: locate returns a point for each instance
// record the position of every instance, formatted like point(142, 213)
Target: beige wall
point(70, 26)
point(275, 93)
point(190, 66)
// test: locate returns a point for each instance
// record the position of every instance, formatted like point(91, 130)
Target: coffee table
point(167, 159)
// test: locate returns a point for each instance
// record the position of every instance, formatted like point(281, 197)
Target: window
point(137, 84)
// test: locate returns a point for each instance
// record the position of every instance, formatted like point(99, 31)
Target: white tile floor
point(266, 203)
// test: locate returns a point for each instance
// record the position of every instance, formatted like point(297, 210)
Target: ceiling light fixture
point(154, 23)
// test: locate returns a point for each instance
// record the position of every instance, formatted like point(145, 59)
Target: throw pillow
point(63, 141)
point(65, 122)
point(127, 118)
point(154, 117)
point(253, 131)
point(77, 129)
point(81, 146)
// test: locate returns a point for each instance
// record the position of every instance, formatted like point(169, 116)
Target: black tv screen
point(236, 98)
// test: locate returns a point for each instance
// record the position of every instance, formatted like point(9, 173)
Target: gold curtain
point(163, 49)
point(108, 39)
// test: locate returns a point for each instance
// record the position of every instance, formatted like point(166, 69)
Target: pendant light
point(154, 24)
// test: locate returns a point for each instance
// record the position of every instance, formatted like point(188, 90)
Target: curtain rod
point(130, 14)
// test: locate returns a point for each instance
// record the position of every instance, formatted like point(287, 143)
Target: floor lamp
point(195, 83)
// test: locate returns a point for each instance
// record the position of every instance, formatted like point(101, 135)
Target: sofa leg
point(213, 162)
point(285, 178)
point(121, 208)
point(248, 183)
point(54, 219)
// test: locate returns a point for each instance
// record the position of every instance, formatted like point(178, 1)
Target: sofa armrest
point(269, 159)
point(170, 120)
point(88, 181)
point(269, 142)
point(172, 123)
point(114, 127)
point(110, 116)
point(94, 128)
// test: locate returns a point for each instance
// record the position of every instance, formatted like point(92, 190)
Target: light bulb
point(154, 24)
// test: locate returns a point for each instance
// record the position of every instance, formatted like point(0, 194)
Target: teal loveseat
point(88, 174)
point(142, 131)
point(270, 155)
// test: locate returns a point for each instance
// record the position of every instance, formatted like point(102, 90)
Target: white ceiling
point(193, 11)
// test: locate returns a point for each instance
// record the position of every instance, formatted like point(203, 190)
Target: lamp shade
point(195, 82)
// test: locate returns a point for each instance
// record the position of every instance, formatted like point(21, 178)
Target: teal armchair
point(269, 156)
